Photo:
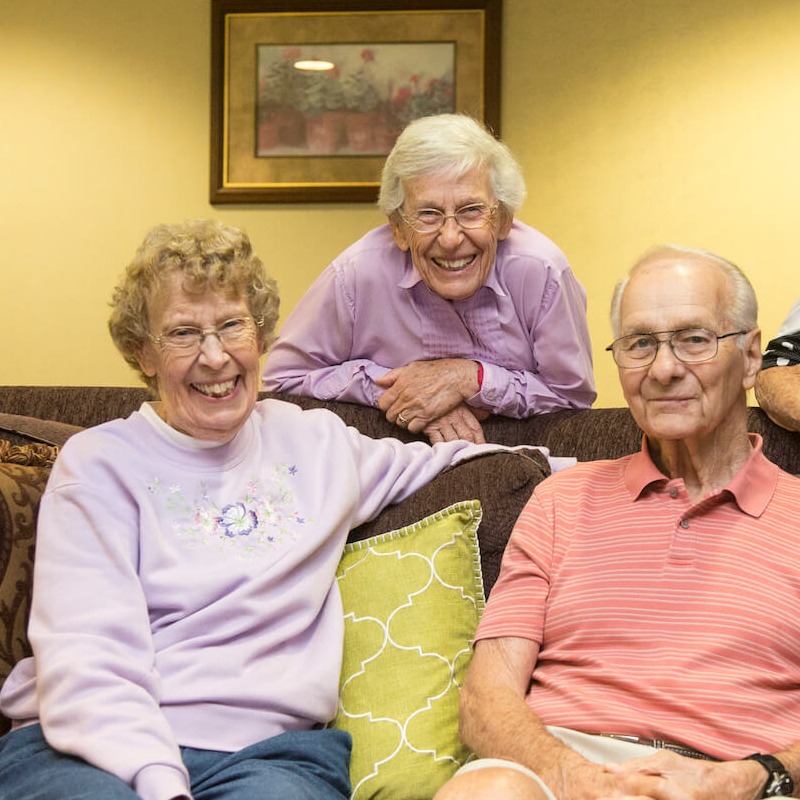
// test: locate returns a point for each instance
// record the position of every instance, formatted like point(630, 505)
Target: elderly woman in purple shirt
point(453, 310)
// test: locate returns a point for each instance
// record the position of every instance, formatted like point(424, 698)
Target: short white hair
point(740, 313)
point(450, 145)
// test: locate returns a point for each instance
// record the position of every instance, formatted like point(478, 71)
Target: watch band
point(779, 782)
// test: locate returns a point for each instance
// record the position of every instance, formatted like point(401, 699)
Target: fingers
point(388, 378)
point(406, 419)
point(460, 423)
point(628, 797)
point(434, 435)
point(449, 434)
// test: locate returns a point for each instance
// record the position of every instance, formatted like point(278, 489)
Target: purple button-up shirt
point(370, 312)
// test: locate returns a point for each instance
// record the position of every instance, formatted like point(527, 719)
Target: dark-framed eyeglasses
point(188, 339)
point(432, 220)
point(690, 345)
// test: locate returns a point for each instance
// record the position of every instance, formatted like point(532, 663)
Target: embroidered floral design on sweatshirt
point(238, 520)
point(258, 520)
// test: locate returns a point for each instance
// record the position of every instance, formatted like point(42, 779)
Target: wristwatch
point(779, 782)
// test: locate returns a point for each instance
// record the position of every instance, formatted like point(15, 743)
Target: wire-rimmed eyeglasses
point(188, 339)
point(690, 345)
point(432, 220)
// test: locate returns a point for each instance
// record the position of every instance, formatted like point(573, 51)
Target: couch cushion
point(412, 599)
point(19, 429)
point(501, 481)
point(23, 474)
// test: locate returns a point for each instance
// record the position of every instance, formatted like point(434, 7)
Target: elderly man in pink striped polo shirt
point(643, 639)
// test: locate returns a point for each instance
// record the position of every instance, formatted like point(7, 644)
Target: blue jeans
point(298, 765)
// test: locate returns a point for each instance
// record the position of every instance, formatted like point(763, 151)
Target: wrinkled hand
point(460, 423)
point(424, 391)
point(682, 778)
point(579, 779)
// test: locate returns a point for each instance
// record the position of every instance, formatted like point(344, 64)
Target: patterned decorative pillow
point(412, 598)
point(24, 471)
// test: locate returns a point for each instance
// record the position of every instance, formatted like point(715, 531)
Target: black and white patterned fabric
point(782, 351)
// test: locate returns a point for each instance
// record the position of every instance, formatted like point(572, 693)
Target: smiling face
point(671, 400)
point(211, 393)
point(453, 262)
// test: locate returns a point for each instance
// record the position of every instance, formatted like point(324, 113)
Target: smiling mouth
point(670, 400)
point(453, 264)
point(216, 390)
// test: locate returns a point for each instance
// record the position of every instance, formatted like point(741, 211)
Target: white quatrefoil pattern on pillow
point(412, 599)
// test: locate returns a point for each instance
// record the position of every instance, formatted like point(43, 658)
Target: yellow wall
point(637, 121)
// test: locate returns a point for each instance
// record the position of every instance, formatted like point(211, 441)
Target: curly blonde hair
point(209, 255)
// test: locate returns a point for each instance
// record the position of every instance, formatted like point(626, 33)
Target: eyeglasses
point(690, 345)
point(187, 340)
point(432, 220)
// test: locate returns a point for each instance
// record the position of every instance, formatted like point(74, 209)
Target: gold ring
point(401, 421)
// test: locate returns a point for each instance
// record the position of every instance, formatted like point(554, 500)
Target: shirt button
point(673, 492)
point(684, 523)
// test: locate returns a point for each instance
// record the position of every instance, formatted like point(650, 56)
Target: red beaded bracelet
point(480, 375)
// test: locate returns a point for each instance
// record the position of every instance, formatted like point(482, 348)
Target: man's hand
point(424, 391)
point(460, 423)
point(685, 778)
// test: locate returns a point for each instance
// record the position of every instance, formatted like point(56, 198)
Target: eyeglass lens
point(188, 338)
point(690, 345)
point(428, 220)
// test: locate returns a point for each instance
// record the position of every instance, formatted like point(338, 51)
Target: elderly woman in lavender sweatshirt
point(453, 310)
point(186, 624)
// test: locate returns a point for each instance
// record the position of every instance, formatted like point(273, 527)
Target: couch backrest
point(587, 435)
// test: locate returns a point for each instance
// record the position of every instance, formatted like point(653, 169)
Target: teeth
point(215, 389)
point(453, 266)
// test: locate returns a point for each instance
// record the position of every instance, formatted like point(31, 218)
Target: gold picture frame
point(285, 135)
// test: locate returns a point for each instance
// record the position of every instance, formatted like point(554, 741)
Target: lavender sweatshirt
point(185, 594)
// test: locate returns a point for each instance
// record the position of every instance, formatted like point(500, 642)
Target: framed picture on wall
point(308, 96)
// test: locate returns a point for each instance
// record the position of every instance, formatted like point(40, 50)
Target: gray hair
point(449, 145)
point(740, 313)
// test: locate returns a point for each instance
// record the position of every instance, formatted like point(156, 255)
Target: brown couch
point(36, 420)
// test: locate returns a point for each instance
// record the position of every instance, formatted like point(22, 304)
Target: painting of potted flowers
point(348, 99)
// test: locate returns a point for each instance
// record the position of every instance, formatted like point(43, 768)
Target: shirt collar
point(752, 486)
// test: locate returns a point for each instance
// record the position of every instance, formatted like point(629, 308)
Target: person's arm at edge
point(778, 393)
point(777, 386)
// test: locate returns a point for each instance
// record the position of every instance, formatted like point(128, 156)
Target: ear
point(505, 219)
point(147, 359)
point(399, 232)
point(752, 357)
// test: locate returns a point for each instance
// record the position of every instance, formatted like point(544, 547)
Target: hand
point(696, 779)
point(578, 779)
point(460, 423)
point(423, 391)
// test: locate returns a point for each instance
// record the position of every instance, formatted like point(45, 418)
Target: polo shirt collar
point(751, 488)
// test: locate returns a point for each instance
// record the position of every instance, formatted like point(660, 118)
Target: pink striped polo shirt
point(657, 617)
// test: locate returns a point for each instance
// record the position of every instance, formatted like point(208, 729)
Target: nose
point(212, 351)
point(666, 365)
point(450, 233)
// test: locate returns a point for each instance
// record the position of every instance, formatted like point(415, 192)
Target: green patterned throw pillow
point(412, 599)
